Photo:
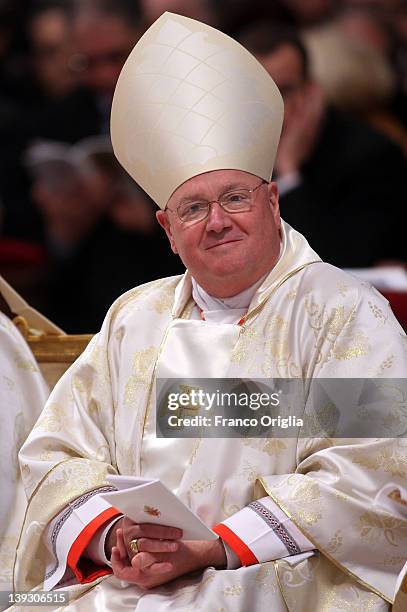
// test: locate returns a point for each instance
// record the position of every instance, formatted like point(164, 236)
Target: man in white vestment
point(196, 122)
point(23, 393)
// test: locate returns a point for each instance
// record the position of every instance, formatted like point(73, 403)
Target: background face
point(226, 253)
point(104, 43)
point(285, 67)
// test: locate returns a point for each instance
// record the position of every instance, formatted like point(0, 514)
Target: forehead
point(210, 182)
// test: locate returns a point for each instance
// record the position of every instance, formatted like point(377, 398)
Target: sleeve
point(69, 537)
point(64, 464)
point(96, 549)
point(261, 532)
point(23, 393)
point(332, 497)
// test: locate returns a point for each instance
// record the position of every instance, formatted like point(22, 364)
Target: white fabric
point(96, 550)
point(23, 393)
point(306, 320)
point(260, 537)
point(64, 536)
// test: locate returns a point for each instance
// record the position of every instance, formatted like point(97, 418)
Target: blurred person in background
point(50, 46)
point(204, 10)
point(101, 231)
point(366, 78)
point(90, 227)
point(333, 171)
point(34, 49)
point(103, 33)
point(310, 12)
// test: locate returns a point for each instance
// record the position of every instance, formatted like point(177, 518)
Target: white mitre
point(190, 100)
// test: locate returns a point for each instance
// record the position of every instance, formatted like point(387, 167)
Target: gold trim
point(280, 586)
point(29, 500)
point(257, 308)
point(35, 490)
point(343, 569)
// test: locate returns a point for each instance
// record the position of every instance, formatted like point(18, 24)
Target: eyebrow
point(225, 189)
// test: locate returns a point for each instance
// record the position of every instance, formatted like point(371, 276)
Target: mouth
point(223, 243)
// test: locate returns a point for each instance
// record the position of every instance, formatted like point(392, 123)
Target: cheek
point(184, 243)
point(173, 246)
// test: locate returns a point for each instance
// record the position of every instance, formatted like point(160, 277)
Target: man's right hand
point(160, 558)
point(165, 536)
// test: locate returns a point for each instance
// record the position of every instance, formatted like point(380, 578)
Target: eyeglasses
point(234, 201)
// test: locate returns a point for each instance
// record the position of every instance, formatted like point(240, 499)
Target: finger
point(117, 562)
point(154, 545)
point(121, 544)
point(122, 571)
point(158, 568)
point(147, 530)
point(143, 560)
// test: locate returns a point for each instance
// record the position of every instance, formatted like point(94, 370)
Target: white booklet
point(146, 500)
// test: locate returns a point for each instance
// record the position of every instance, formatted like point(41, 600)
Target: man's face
point(285, 67)
point(225, 253)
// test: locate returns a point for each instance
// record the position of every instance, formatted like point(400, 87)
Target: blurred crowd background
point(76, 232)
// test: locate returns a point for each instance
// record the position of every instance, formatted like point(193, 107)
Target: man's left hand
point(151, 566)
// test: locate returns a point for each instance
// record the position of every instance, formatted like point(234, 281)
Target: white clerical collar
point(295, 254)
point(207, 302)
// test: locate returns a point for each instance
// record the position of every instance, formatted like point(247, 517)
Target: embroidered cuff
point(261, 532)
point(70, 533)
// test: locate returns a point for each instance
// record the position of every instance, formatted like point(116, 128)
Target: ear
point(274, 203)
point(163, 220)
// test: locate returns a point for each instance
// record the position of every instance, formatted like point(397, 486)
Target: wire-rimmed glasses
point(233, 201)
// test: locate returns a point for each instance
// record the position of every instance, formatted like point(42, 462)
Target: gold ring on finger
point(133, 545)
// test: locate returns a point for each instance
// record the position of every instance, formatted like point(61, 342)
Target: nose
point(217, 219)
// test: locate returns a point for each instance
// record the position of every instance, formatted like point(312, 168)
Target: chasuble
point(306, 320)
